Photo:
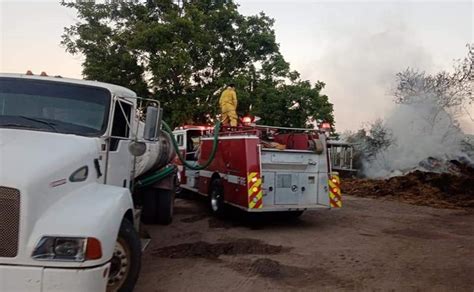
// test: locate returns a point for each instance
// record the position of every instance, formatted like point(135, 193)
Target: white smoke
point(419, 130)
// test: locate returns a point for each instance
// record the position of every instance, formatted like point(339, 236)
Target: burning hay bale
point(453, 190)
point(420, 153)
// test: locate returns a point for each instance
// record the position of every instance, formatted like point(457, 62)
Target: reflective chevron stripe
point(255, 194)
point(335, 195)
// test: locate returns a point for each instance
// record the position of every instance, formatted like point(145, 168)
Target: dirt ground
point(368, 245)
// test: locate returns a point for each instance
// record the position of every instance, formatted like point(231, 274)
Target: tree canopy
point(445, 91)
point(184, 54)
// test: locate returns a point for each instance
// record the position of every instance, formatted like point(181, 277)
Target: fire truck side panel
point(323, 174)
point(214, 169)
point(237, 156)
point(252, 154)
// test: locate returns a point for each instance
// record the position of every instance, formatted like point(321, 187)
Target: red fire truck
point(259, 168)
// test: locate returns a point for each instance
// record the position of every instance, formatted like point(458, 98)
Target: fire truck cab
point(259, 168)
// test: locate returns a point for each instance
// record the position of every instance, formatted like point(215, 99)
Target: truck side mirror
point(152, 123)
point(137, 148)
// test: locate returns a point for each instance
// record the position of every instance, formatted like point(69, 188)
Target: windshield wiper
point(50, 124)
point(16, 125)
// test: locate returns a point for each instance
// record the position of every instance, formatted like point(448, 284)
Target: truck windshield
point(53, 106)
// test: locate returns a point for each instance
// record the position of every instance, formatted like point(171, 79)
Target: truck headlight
point(76, 249)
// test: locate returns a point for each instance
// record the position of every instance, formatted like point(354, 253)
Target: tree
point(446, 92)
point(371, 143)
point(184, 55)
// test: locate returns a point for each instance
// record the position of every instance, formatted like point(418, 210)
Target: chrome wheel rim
point(119, 265)
point(214, 201)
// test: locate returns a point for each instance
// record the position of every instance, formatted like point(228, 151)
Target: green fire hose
point(155, 177)
point(164, 172)
point(217, 127)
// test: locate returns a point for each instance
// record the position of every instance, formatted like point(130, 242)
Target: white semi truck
point(75, 163)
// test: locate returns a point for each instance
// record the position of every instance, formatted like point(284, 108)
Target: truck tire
point(216, 198)
point(165, 207)
point(126, 260)
point(158, 205)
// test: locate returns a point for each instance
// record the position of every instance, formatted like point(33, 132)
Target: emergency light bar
point(326, 126)
point(246, 120)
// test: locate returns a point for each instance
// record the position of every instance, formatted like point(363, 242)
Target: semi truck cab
point(68, 164)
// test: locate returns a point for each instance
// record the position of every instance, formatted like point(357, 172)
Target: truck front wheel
point(126, 260)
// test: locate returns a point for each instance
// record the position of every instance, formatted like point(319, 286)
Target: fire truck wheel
point(216, 198)
point(158, 205)
point(126, 259)
point(177, 184)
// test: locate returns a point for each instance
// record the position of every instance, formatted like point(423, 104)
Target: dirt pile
point(439, 190)
point(208, 250)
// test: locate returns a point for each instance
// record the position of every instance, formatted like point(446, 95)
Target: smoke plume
point(418, 131)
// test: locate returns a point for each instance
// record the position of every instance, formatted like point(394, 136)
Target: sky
point(355, 47)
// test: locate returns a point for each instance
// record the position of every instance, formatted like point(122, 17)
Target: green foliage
point(369, 142)
point(185, 54)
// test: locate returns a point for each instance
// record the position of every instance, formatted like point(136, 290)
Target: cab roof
point(114, 89)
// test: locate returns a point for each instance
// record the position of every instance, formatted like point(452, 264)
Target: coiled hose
point(164, 172)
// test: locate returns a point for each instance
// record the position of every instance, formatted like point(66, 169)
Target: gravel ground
point(369, 244)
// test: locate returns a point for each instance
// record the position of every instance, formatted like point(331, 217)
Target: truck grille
point(9, 221)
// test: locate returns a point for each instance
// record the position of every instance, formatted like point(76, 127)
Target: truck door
point(119, 163)
point(180, 136)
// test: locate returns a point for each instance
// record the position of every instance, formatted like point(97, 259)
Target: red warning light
point(326, 126)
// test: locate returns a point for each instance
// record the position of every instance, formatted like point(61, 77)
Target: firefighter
point(228, 104)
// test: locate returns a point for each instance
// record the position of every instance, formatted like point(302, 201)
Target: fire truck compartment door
point(287, 189)
point(268, 188)
point(192, 177)
point(308, 186)
point(323, 195)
